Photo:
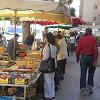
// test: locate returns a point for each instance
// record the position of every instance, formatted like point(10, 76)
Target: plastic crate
point(6, 98)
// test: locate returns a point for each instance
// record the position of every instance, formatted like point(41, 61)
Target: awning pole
point(35, 35)
point(4, 27)
point(58, 27)
point(15, 23)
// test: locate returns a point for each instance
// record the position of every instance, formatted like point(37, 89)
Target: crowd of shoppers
point(86, 54)
point(58, 48)
point(49, 85)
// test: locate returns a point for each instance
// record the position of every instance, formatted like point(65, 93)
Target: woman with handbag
point(49, 50)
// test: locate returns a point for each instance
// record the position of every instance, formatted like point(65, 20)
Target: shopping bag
point(47, 66)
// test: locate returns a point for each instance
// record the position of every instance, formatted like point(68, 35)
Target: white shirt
point(72, 40)
point(46, 52)
point(62, 54)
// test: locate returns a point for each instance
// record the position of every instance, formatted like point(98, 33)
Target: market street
point(70, 85)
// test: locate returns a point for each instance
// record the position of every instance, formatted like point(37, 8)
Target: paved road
point(70, 85)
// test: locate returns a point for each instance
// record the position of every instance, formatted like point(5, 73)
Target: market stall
point(49, 10)
point(55, 11)
point(67, 27)
point(24, 71)
point(41, 22)
point(16, 78)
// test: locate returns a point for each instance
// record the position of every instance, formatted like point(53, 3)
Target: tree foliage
point(72, 11)
point(67, 1)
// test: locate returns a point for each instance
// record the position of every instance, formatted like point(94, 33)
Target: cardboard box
point(20, 81)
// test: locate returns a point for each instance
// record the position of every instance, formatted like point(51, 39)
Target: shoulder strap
point(49, 49)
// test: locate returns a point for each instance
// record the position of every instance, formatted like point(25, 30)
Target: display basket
point(3, 81)
point(6, 98)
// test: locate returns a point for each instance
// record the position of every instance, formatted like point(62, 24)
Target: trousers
point(49, 85)
point(86, 65)
point(61, 64)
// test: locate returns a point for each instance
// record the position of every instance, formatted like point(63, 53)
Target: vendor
point(29, 41)
point(3, 40)
point(10, 48)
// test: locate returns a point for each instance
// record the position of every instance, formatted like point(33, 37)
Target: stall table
point(33, 81)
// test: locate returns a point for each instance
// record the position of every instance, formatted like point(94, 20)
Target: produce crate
point(3, 81)
point(6, 98)
point(21, 81)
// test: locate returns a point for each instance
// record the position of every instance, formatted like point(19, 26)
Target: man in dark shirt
point(87, 52)
point(29, 41)
point(13, 47)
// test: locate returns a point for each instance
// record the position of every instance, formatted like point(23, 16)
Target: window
point(94, 19)
point(95, 6)
point(99, 17)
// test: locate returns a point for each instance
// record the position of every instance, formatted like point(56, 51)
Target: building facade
point(90, 11)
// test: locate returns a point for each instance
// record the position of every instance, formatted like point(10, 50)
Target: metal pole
point(4, 25)
point(15, 22)
point(35, 34)
point(24, 93)
point(58, 27)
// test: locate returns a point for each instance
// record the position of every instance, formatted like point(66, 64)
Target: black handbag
point(48, 66)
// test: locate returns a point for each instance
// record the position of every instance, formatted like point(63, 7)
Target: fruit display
point(23, 70)
point(34, 54)
point(6, 63)
point(2, 49)
point(22, 47)
point(15, 77)
point(22, 54)
point(21, 73)
point(4, 78)
point(27, 64)
point(5, 57)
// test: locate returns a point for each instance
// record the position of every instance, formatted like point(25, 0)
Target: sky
point(75, 4)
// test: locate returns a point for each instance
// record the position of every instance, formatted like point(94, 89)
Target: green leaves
point(72, 12)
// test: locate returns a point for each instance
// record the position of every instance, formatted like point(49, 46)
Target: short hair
point(59, 36)
point(16, 35)
point(50, 38)
point(88, 30)
point(59, 32)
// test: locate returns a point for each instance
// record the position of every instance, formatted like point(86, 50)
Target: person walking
point(72, 43)
point(49, 85)
point(87, 53)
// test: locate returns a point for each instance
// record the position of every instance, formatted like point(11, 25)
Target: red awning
point(43, 23)
point(77, 21)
